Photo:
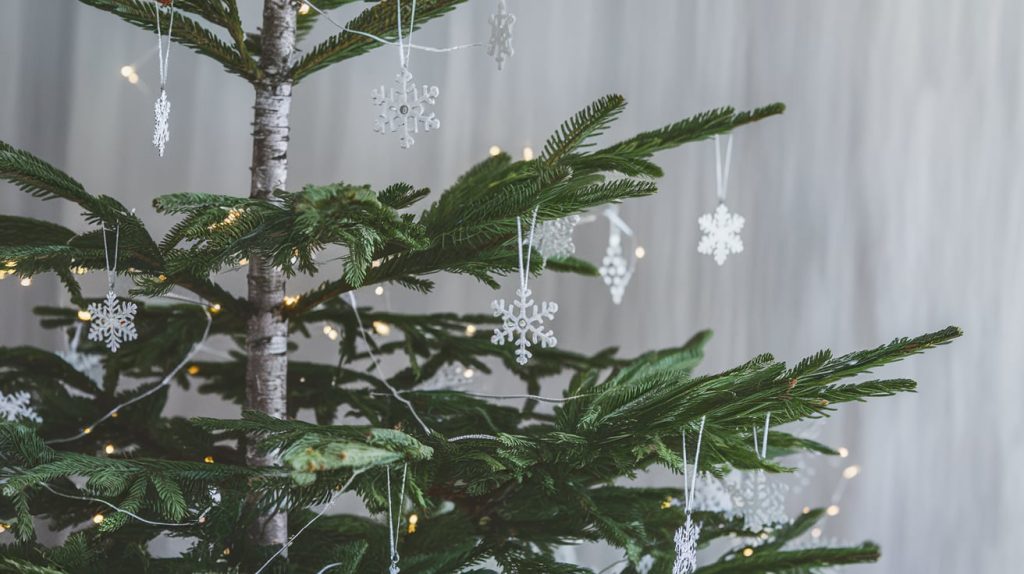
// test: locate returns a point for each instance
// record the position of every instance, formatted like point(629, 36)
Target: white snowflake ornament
point(16, 406)
point(522, 322)
point(500, 45)
point(761, 502)
point(553, 239)
point(713, 496)
point(113, 322)
point(615, 269)
point(450, 376)
point(405, 108)
point(686, 547)
point(161, 122)
point(721, 233)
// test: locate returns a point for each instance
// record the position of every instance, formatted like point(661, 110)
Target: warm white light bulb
point(379, 290)
point(851, 471)
point(640, 252)
point(127, 71)
point(815, 533)
point(495, 150)
point(304, 9)
point(468, 373)
point(382, 328)
point(843, 452)
point(26, 281)
point(470, 330)
point(832, 510)
point(527, 153)
point(133, 78)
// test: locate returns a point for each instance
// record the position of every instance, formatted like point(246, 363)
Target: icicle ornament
point(500, 45)
point(721, 229)
point(162, 106)
point(616, 269)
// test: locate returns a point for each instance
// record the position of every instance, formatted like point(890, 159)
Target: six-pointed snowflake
point(161, 122)
point(500, 46)
point(721, 233)
point(450, 376)
point(615, 269)
point(686, 547)
point(113, 322)
point(405, 108)
point(761, 501)
point(553, 239)
point(523, 323)
point(17, 405)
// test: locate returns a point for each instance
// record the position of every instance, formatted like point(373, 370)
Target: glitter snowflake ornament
point(500, 45)
point(113, 322)
point(721, 234)
point(553, 239)
point(522, 322)
point(761, 502)
point(686, 539)
point(405, 108)
point(713, 496)
point(162, 122)
point(16, 406)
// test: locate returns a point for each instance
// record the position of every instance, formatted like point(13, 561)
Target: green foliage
point(536, 480)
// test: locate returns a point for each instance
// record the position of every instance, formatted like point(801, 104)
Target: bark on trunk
point(267, 336)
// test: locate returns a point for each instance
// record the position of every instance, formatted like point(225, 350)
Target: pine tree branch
point(380, 20)
point(188, 32)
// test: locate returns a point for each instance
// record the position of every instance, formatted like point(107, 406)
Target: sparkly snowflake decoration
point(615, 269)
point(721, 233)
point(712, 496)
point(113, 322)
point(448, 377)
point(686, 547)
point(523, 323)
point(161, 123)
point(553, 239)
point(16, 406)
point(405, 108)
point(761, 502)
point(500, 46)
point(88, 365)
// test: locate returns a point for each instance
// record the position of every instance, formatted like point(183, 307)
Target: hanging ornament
point(721, 229)
point(113, 321)
point(405, 107)
point(450, 376)
point(553, 239)
point(521, 321)
point(500, 46)
point(87, 364)
point(18, 405)
point(761, 501)
point(162, 107)
point(395, 520)
point(616, 269)
point(688, 534)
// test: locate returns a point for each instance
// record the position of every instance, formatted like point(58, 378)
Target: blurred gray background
point(886, 202)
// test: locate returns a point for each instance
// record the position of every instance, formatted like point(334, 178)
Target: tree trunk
point(266, 340)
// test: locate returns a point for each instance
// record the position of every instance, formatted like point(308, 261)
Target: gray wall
point(886, 202)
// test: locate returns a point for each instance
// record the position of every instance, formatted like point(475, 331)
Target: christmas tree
point(451, 480)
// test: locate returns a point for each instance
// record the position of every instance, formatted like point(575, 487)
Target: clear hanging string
point(111, 268)
point(524, 271)
point(405, 49)
point(690, 485)
point(722, 172)
point(395, 520)
point(762, 449)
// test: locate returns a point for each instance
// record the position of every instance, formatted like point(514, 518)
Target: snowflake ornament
point(161, 123)
point(686, 547)
point(500, 45)
point(523, 323)
point(713, 496)
point(16, 406)
point(761, 502)
point(615, 269)
point(553, 239)
point(405, 108)
point(113, 322)
point(88, 365)
point(450, 376)
point(721, 233)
